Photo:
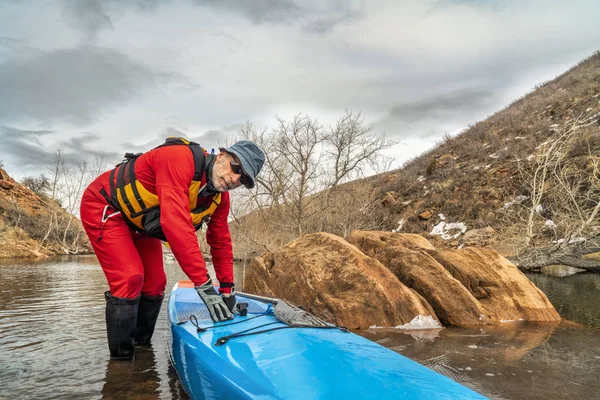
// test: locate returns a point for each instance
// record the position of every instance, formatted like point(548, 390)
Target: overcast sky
point(105, 77)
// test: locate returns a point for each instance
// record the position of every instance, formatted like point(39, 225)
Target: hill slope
point(26, 219)
point(486, 176)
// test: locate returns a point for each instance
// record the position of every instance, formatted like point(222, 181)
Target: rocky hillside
point(529, 164)
point(34, 226)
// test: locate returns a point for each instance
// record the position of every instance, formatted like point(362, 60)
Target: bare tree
point(351, 146)
point(305, 164)
point(56, 170)
point(564, 186)
point(75, 181)
point(38, 184)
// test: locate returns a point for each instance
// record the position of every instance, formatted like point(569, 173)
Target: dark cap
point(251, 157)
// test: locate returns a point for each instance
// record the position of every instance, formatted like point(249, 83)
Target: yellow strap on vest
point(204, 215)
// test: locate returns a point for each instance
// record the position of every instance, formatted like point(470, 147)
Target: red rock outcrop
point(395, 278)
point(336, 281)
point(503, 291)
point(465, 287)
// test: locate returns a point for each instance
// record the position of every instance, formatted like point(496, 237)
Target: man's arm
point(174, 171)
point(219, 239)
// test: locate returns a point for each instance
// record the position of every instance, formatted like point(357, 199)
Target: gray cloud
point(24, 147)
point(441, 106)
point(12, 46)
point(74, 85)
point(81, 148)
point(90, 16)
point(93, 16)
point(324, 25)
point(26, 151)
point(259, 11)
point(211, 139)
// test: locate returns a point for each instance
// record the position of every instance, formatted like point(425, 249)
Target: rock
point(391, 178)
point(16, 243)
point(389, 199)
point(503, 291)
point(479, 237)
point(452, 302)
point(425, 215)
point(6, 185)
point(592, 256)
point(395, 278)
point(336, 281)
point(560, 271)
point(4, 175)
point(372, 242)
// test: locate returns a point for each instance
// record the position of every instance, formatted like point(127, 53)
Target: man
point(165, 194)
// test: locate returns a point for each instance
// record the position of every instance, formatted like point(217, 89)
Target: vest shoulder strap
point(197, 151)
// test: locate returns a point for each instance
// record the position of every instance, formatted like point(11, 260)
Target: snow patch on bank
point(418, 322)
point(449, 230)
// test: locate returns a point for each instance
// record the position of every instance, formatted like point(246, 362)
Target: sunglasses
point(236, 167)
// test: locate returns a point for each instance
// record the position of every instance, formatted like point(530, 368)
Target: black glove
point(216, 306)
point(229, 300)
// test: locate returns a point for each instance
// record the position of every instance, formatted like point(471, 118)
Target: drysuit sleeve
point(174, 173)
point(219, 239)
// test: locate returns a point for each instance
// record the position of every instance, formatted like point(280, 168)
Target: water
point(53, 341)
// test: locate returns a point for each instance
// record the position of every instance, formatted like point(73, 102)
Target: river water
point(53, 341)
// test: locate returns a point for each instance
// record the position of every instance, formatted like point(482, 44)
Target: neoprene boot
point(146, 318)
point(121, 316)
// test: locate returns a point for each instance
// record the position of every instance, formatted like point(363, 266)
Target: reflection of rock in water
point(513, 340)
point(500, 361)
point(136, 379)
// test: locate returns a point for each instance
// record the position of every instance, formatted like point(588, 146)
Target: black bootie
point(146, 318)
point(121, 316)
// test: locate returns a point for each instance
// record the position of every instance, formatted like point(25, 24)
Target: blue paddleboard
point(259, 357)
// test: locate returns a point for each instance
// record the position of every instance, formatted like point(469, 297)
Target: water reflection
point(575, 297)
point(135, 379)
point(512, 361)
point(53, 341)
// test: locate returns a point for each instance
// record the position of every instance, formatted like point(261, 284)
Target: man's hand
point(229, 300)
point(216, 306)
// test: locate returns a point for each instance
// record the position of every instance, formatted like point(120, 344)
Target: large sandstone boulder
point(337, 282)
point(503, 291)
point(452, 302)
point(464, 287)
point(407, 256)
point(372, 242)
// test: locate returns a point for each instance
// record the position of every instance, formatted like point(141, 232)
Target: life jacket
point(140, 208)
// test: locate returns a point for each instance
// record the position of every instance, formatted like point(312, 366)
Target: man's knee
point(155, 286)
point(128, 288)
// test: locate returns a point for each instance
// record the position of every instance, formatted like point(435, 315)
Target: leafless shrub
point(302, 187)
point(38, 184)
point(563, 190)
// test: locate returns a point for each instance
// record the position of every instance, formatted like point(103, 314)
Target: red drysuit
point(133, 262)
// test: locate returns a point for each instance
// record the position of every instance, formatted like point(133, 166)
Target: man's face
point(223, 177)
